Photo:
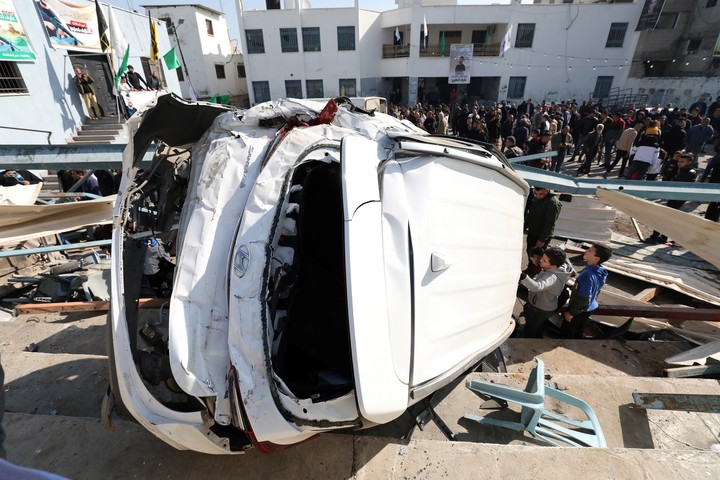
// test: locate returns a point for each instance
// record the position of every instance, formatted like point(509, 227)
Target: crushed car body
point(333, 266)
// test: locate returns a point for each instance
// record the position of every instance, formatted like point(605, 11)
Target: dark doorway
point(99, 70)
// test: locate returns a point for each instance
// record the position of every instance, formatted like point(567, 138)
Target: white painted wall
point(680, 91)
point(202, 51)
point(52, 102)
point(566, 30)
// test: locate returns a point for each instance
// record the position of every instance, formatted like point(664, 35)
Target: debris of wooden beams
point(668, 313)
point(21, 222)
point(678, 401)
point(27, 308)
point(692, 371)
point(697, 356)
point(696, 234)
point(694, 282)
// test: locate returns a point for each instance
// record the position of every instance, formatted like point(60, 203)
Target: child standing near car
point(544, 290)
point(583, 299)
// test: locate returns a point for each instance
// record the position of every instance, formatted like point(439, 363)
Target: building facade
point(212, 66)
point(410, 54)
point(39, 100)
point(679, 60)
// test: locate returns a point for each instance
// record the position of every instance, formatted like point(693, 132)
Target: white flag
point(397, 34)
point(505, 44)
point(425, 30)
point(120, 48)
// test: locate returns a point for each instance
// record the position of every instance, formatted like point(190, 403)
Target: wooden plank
point(696, 234)
point(668, 313)
point(648, 294)
point(692, 371)
point(697, 356)
point(637, 228)
point(28, 308)
point(678, 401)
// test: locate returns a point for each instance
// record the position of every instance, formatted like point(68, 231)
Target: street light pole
point(182, 57)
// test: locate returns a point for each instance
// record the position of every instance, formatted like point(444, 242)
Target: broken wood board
point(697, 356)
point(22, 222)
point(693, 282)
point(696, 234)
point(20, 194)
point(585, 218)
point(27, 308)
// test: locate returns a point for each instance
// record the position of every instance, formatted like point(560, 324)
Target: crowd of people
point(644, 142)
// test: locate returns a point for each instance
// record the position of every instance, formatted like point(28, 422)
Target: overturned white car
point(333, 267)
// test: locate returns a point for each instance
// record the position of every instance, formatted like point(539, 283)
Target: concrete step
point(81, 448)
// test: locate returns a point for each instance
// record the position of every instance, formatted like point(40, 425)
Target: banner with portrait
point(14, 43)
point(461, 55)
point(650, 15)
point(70, 24)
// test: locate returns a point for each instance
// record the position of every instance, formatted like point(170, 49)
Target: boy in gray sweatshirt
point(544, 290)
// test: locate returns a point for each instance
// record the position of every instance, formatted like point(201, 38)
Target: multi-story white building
point(557, 51)
point(39, 100)
point(211, 64)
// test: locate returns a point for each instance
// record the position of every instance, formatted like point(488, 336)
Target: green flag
point(224, 99)
point(213, 99)
point(442, 43)
point(122, 68)
point(171, 60)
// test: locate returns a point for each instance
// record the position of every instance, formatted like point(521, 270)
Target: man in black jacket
point(542, 214)
point(134, 78)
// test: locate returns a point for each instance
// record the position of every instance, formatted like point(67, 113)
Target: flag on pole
point(505, 44)
point(171, 60)
point(442, 43)
point(154, 49)
point(120, 48)
point(425, 30)
point(397, 35)
point(102, 28)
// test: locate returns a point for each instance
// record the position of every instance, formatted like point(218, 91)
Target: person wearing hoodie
point(544, 290)
point(647, 153)
point(583, 298)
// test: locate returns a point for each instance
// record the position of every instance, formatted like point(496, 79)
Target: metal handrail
point(49, 133)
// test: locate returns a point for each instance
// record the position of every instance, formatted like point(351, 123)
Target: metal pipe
point(49, 133)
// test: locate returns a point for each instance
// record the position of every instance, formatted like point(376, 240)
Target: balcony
point(479, 50)
point(395, 51)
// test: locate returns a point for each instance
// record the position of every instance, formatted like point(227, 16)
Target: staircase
point(54, 392)
point(104, 130)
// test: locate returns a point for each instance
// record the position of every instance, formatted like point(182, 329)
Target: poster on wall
point(70, 24)
point(649, 15)
point(461, 55)
point(14, 44)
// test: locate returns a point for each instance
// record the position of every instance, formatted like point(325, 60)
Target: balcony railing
point(479, 50)
point(395, 51)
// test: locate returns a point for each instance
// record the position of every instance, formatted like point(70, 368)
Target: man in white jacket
point(647, 153)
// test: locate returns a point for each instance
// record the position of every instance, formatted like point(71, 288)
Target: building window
point(693, 46)
point(516, 87)
point(261, 91)
point(241, 70)
point(10, 79)
point(667, 21)
point(602, 87)
point(168, 24)
point(710, 3)
point(525, 35)
point(220, 71)
point(209, 27)
point(314, 88)
point(255, 42)
point(616, 36)
point(293, 89)
point(311, 39)
point(288, 40)
point(347, 87)
point(181, 77)
point(346, 38)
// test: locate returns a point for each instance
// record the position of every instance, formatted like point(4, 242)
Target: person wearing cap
point(540, 144)
point(647, 153)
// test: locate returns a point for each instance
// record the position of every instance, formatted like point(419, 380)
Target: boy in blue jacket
point(583, 300)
